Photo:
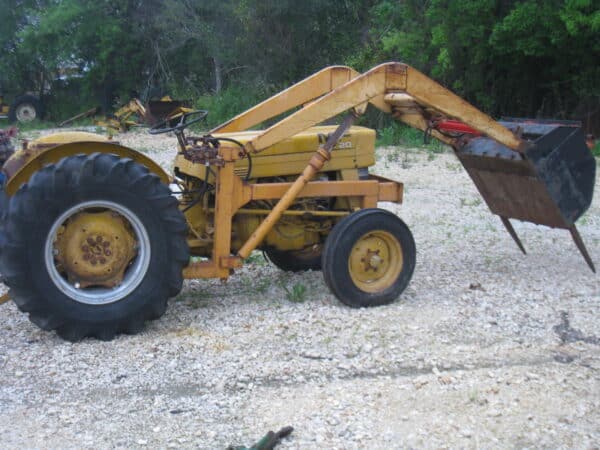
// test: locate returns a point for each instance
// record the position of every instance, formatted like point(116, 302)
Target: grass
point(399, 134)
point(596, 149)
point(40, 125)
point(34, 125)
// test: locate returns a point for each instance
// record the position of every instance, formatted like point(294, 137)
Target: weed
point(252, 285)
point(261, 285)
point(297, 294)
point(393, 155)
point(473, 202)
point(490, 227)
point(453, 167)
point(257, 258)
point(474, 396)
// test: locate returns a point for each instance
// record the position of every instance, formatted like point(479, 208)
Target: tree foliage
point(509, 57)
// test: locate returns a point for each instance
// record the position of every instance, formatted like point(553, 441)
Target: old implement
point(93, 240)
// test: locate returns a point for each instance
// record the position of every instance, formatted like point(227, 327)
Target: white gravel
point(486, 347)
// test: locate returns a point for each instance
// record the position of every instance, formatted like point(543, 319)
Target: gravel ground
point(486, 347)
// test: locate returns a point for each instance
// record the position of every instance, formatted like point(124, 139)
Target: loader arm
point(537, 172)
point(307, 90)
point(387, 87)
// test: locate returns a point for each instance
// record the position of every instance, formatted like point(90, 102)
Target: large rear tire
point(369, 258)
point(93, 246)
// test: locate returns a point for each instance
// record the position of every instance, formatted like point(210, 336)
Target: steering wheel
point(165, 125)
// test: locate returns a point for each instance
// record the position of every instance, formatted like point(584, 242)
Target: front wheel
point(93, 246)
point(369, 258)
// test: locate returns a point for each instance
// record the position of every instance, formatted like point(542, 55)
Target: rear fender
point(24, 163)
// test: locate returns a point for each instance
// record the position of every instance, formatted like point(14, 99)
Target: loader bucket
point(550, 183)
point(158, 110)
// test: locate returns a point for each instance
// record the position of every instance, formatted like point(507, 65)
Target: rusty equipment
point(94, 242)
point(134, 113)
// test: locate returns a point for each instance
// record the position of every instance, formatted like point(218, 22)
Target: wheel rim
point(93, 259)
point(26, 112)
point(375, 261)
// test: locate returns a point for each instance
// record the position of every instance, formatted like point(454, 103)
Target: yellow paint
point(289, 157)
point(375, 261)
point(67, 137)
point(49, 155)
point(4, 298)
point(95, 248)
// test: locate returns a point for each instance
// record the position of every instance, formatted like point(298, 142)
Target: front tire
point(369, 258)
point(93, 246)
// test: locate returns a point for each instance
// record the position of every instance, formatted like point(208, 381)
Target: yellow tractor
point(95, 237)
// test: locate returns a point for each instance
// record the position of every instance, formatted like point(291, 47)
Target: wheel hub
point(372, 260)
point(25, 113)
point(375, 261)
point(95, 248)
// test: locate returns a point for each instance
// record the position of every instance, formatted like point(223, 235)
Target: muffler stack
point(550, 183)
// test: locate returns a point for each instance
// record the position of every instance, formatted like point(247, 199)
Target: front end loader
point(95, 237)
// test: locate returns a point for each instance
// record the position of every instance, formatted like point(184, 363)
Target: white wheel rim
point(26, 112)
point(133, 275)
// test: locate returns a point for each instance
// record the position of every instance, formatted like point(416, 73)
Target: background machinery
point(24, 108)
point(93, 241)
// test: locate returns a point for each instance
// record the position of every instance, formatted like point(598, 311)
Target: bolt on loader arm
point(542, 173)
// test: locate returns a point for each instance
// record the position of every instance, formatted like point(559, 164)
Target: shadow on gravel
point(567, 334)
